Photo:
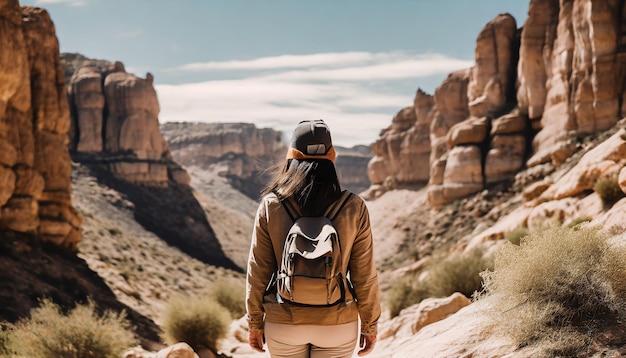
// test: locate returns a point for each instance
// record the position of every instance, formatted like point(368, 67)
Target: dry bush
point(79, 334)
point(459, 272)
point(515, 237)
point(607, 187)
point(557, 287)
point(5, 342)
point(231, 294)
point(199, 321)
point(405, 292)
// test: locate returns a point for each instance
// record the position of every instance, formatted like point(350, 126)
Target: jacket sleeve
point(261, 265)
point(364, 276)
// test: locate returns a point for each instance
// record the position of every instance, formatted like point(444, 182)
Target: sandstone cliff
point(531, 95)
point(34, 120)
point(36, 213)
point(115, 132)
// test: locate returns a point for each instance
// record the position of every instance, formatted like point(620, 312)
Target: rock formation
point(529, 98)
point(115, 120)
point(402, 153)
point(115, 132)
point(35, 165)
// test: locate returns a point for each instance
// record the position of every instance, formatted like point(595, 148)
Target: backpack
point(310, 272)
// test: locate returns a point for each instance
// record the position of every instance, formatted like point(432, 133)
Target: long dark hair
point(312, 183)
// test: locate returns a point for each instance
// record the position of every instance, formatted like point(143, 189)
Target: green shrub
point(79, 334)
point(607, 187)
point(556, 287)
point(232, 295)
point(199, 321)
point(516, 236)
point(456, 273)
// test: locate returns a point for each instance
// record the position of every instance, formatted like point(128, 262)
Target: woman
point(308, 184)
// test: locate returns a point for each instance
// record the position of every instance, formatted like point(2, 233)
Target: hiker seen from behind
point(311, 275)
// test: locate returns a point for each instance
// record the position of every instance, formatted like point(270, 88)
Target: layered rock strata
point(531, 96)
point(115, 121)
point(402, 153)
point(35, 166)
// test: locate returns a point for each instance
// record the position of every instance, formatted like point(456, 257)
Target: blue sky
point(354, 63)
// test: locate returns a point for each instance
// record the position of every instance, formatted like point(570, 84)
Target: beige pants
point(304, 341)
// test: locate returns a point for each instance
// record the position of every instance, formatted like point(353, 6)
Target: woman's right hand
point(256, 339)
point(367, 342)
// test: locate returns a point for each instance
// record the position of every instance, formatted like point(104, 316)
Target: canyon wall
point(35, 165)
point(532, 94)
point(115, 132)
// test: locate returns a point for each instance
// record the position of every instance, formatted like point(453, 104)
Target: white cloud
point(287, 61)
point(355, 92)
point(66, 2)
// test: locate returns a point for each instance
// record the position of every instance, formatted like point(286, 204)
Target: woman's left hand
point(256, 339)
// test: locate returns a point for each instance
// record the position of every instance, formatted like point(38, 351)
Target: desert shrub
point(515, 236)
point(199, 321)
point(231, 294)
point(607, 187)
point(574, 223)
point(80, 333)
point(405, 292)
point(458, 272)
point(5, 342)
point(557, 286)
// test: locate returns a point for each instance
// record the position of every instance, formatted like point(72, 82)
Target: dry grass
point(201, 322)
point(557, 287)
point(231, 295)
point(80, 334)
point(455, 273)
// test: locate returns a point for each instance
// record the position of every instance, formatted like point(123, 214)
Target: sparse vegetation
point(5, 342)
point(231, 295)
point(557, 287)
point(607, 187)
point(199, 321)
point(574, 223)
point(79, 334)
point(515, 237)
point(456, 273)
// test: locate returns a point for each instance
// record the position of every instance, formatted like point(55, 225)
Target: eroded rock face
point(531, 96)
point(492, 81)
point(34, 121)
point(585, 71)
point(115, 122)
point(402, 154)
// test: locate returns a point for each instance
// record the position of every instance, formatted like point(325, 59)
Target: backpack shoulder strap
point(285, 205)
point(336, 207)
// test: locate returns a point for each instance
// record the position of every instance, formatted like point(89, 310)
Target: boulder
point(622, 179)
point(7, 184)
point(471, 131)
point(463, 173)
point(178, 350)
point(431, 310)
point(505, 157)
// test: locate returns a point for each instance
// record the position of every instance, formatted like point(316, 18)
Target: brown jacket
point(353, 227)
